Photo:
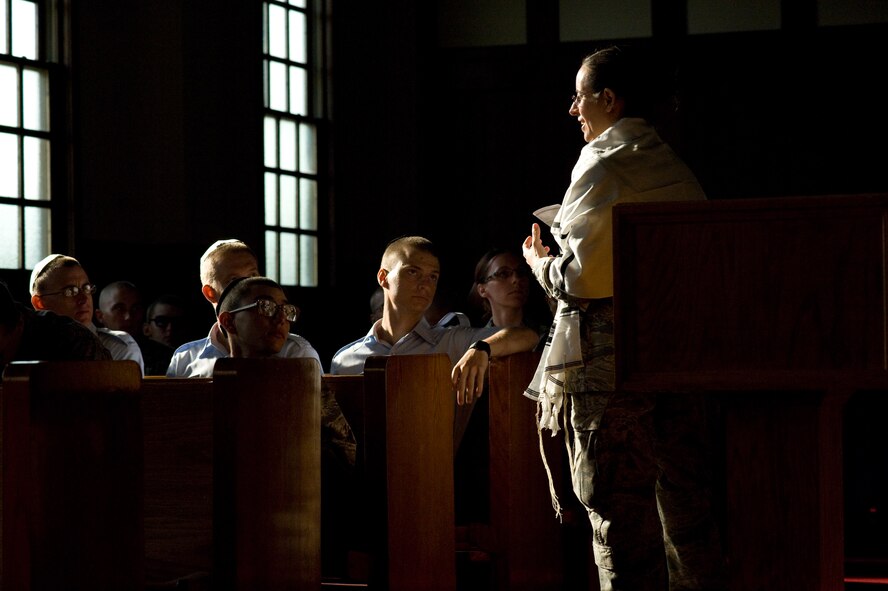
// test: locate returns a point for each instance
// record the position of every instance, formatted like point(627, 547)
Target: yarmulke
point(216, 245)
point(38, 270)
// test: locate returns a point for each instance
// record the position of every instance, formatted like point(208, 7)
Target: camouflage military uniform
point(632, 454)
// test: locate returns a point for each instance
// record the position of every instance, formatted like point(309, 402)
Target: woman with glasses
point(501, 293)
point(638, 460)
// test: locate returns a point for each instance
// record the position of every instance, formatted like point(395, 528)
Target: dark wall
point(460, 145)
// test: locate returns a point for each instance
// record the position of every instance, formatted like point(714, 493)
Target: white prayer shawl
point(627, 163)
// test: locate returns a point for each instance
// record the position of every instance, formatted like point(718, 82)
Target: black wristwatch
point(481, 346)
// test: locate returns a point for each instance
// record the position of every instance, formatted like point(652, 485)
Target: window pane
point(4, 40)
point(288, 145)
point(298, 40)
point(9, 165)
point(308, 155)
point(8, 95)
point(277, 86)
point(36, 168)
point(277, 31)
point(271, 258)
point(270, 199)
point(37, 235)
point(288, 201)
point(299, 3)
point(24, 29)
point(308, 204)
point(298, 91)
point(9, 229)
point(270, 142)
point(289, 258)
point(36, 99)
point(308, 263)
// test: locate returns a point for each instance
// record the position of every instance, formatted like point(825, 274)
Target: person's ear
point(482, 290)
point(226, 321)
point(210, 294)
point(381, 278)
point(37, 303)
point(100, 316)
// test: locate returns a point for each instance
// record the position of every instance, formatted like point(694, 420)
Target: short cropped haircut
point(165, 299)
point(397, 249)
point(210, 259)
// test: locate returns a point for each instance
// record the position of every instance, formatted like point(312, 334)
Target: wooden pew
point(405, 443)
point(233, 476)
point(72, 468)
point(777, 308)
point(526, 536)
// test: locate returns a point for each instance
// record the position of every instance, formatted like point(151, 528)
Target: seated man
point(408, 275)
point(26, 335)
point(60, 284)
point(120, 308)
point(224, 261)
point(167, 321)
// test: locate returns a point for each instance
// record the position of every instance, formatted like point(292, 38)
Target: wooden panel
point(267, 474)
point(527, 535)
point(777, 306)
point(409, 404)
point(758, 284)
point(177, 419)
point(72, 502)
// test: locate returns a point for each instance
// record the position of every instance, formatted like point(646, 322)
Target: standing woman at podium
point(631, 454)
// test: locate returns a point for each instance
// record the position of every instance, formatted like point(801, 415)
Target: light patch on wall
point(592, 20)
point(729, 16)
point(481, 23)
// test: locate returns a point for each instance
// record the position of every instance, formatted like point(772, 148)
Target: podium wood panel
point(778, 307)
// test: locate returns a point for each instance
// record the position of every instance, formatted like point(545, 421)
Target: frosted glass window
point(270, 199)
point(288, 201)
point(729, 16)
point(298, 91)
point(308, 268)
point(298, 39)
point(36, 168)
point(277, 86)
point(308, 153)
point(24, 30)
point(270, 142)
point(289, 258)
point(288, 145)
point(298, 3)
point(37, 235)
point(277, 31)
point(594, 20)
point(9, 229)
point(271, 259)
point(308, 204)
point(35, 85)
point(8, 95)
point(9, 165)
point(4, 40)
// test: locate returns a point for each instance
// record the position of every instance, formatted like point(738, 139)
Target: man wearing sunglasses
point(59, 284)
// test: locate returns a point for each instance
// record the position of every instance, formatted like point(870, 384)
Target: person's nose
point(573, 111)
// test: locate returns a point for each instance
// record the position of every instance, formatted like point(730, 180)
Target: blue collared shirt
point(422, 340)
point(198, 358)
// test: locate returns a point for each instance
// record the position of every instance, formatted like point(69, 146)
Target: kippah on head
point(216, 245)
point(225, 293)
point(39, 268)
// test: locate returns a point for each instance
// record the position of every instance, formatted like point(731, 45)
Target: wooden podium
point(778, 308)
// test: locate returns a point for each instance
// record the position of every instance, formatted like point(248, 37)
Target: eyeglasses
point(580, 96)
point(72, 291)
point(269, 309)
point(164, 321)
point(506, 273)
